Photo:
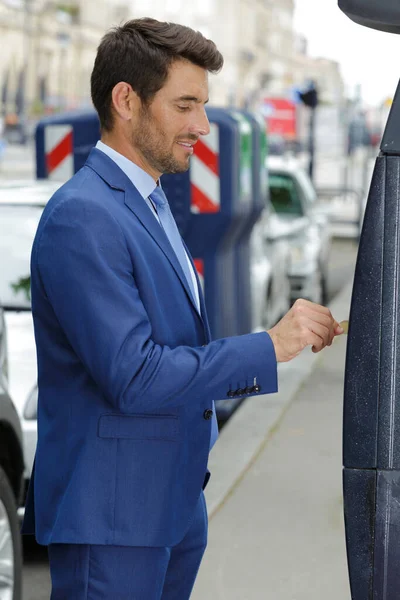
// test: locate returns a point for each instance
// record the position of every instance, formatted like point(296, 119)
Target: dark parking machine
point(371, 434)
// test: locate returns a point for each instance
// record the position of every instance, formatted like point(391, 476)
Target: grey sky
point(366, 56)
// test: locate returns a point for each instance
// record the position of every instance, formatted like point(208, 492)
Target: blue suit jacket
point(126, 370)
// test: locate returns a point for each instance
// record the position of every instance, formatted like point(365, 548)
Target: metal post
point(311, 142)
point(346, 146)
point(26, 50)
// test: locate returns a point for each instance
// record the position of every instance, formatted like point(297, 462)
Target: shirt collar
point(142, 181)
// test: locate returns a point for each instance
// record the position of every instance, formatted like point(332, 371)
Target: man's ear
point(125, 101)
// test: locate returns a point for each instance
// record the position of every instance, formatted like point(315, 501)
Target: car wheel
point(10, 544)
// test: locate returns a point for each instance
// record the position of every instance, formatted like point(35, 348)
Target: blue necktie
point(171, 230)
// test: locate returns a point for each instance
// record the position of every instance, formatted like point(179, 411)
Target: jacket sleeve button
point(208, 414)
point(231, 394)
point(257, 389)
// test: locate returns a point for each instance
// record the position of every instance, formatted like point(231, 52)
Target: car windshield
point(18, 224)
point(284, 195)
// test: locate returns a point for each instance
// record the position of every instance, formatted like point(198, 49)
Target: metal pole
point(311, 142)
point(346, 153)
point(26, 50)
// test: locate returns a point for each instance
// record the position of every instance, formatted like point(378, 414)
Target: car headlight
point(30, 410)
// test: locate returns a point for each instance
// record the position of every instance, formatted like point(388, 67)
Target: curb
point(249, 429)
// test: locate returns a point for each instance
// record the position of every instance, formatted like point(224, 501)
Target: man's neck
point(122, 146)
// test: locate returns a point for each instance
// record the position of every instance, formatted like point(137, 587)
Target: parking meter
point(259, 203)
point(371, 428)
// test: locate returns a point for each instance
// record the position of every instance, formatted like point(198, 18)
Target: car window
point(284, 194)
point(18, 224)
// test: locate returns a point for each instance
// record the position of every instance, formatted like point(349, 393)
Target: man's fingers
point(306, 324)
point(314, 334)
point(307, 305)
point(322, 327)
point(316, 313)
point(320, 336)
point(324, 334)
point(320, 315)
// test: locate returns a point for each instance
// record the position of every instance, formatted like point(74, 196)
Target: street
point(36, 576)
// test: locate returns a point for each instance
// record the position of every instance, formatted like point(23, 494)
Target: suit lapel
point(110, 172)
point(138, 206)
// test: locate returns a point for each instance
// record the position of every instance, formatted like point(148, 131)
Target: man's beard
point(152, 144)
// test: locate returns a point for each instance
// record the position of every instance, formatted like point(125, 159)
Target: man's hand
point(306, 324)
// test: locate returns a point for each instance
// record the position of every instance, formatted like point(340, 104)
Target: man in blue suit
point(127, 371)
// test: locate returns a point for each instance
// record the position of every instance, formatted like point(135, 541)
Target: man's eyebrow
point(190, 99)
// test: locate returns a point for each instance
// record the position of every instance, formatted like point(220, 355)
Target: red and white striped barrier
point(59, 151)
point(204, 174)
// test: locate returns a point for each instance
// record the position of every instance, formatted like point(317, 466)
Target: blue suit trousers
point(94, 572)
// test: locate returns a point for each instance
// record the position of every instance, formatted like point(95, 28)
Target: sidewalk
point(18, 162)
point(278, 533)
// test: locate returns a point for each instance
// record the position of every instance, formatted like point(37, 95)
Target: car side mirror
point(383, 15)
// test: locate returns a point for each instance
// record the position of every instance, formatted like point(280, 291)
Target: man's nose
point(202, 125)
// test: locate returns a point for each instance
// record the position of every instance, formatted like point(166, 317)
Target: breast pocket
point(139, 427)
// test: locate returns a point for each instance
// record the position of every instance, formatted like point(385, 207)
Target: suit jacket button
point(240, 392)
point(248, 390)
point(231, 394)
point(208, 414)
point(257, 388)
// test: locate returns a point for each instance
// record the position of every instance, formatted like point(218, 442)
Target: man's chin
point(180, 167)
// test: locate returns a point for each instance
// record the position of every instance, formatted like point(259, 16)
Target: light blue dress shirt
point(145, 185)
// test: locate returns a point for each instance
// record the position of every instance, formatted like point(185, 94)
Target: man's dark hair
point(140, 53)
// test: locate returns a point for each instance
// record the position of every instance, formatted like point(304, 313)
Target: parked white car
point(270, 284)
point(304, 221)
point(11, 483)
point(21, 205)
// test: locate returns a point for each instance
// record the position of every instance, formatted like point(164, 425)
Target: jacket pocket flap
point(139, 427)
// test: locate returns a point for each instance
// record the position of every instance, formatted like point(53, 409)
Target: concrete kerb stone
point(247, 432)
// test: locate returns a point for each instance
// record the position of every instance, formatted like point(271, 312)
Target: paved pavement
point(277, 532)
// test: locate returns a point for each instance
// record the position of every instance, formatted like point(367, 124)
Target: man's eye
point(183, 108)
